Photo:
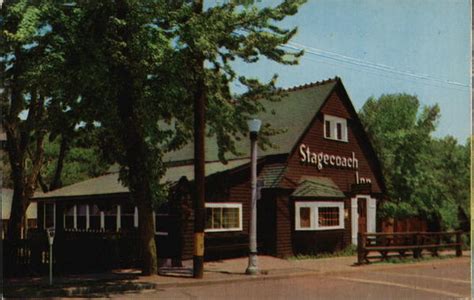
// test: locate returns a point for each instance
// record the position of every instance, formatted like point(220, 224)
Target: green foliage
point(82, 161)
point(150, 59)
point(425, 176)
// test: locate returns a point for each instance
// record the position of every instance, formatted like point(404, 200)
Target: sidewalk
point(225, 271)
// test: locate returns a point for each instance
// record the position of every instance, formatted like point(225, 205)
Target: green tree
point(424, 176)
point(30, 56)
point(450, 164)
point(150, 60)
point(79, 160)
point(400, 135)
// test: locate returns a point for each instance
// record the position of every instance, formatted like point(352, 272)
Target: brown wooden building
point(318, 187)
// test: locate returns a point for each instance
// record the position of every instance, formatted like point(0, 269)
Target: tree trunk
point(18, 141)
point(147, 238)
point(56, 183)
point(17, 214)
point(136, 154)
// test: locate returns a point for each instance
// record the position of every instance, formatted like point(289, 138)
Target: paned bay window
point(319, 215)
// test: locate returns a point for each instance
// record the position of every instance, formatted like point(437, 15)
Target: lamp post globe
point(254, 128)
point(254, 125)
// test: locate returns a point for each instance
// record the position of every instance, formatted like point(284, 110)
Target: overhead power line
point(370, 65)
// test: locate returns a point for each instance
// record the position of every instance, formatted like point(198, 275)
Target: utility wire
point(375, 72)
point(370, 65)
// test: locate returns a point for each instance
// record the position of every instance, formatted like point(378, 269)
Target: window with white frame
point(49, 217)
point(319, 215)
point(335, 128)
point(94, 217)
point(69, 213)
point(127, 214)
point(81, 216)
point(110, 218)
point(223, 217)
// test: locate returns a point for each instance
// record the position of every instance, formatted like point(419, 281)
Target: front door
point(362, 211)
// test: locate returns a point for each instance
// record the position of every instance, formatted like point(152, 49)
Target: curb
point(86, 291)
point(235, 280)
point(128, 287)
point(135, 286)
point(306, 272)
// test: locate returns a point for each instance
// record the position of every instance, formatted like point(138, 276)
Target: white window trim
point(371, 215)
point(102, 220)
point(333, 120)
point(314, 215)
point(135, 217)
point(225, 205)
point(75, 216)
point(118, 221)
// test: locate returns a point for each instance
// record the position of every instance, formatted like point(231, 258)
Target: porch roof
point(317, 187)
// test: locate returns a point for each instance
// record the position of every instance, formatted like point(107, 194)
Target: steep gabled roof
point(293, 113)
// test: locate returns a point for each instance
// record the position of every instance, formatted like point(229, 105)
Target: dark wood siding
point(329, 240)
point(266, 223)
point(314, 138)
point(284, 215)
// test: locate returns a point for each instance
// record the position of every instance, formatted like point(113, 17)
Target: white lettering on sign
point(322, 159)
point(362, 179)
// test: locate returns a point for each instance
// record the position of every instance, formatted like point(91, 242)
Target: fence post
point(416, 251)
point(360, 248)
point(458, 244)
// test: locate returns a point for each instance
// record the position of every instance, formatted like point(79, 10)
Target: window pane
point(127, 215)
point(94, 217)
point(81, 216)
point(127, 209)
point(328, 216)
point(110, 218)
point(216, 217)
point(49, 220)
point(339, 131)
point(208, 218)
point(223, 218)
point(157, 223)
point(230, 217)
point(328, 129)
point(69, 217)
point(305, 220)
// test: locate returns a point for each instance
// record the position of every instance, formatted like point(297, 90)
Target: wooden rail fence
point(402, 243)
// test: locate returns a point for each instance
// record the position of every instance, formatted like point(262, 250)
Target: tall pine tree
point(145, 61)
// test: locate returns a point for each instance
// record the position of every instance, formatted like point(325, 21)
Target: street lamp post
point(254, 128)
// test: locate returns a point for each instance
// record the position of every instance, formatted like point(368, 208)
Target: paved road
point(411, 281)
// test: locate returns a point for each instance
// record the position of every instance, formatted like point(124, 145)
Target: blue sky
point(420, 47)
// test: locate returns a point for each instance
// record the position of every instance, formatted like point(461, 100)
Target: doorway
point(362, 213)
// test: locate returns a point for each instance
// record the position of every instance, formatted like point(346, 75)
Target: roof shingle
point(293, 113)
point(310, 187)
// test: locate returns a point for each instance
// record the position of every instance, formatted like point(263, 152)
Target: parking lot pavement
point(411, 281)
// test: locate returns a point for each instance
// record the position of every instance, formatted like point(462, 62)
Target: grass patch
point(348, 251)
